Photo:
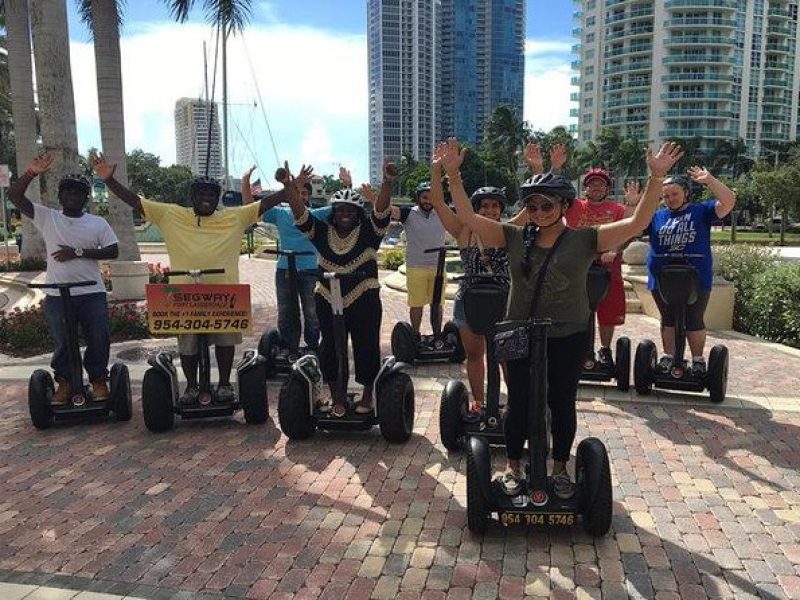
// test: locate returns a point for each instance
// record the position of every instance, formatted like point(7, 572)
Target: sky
point(299, 73)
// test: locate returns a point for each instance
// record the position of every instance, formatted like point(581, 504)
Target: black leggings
point(363, 323)
point(564, 364)
point(694, 312)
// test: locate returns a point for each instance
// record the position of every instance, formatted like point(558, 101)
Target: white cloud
point(547, 83)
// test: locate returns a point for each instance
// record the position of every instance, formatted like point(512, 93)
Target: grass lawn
point(755, 237)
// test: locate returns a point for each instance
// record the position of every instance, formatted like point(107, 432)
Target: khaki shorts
point(187, 343)
point(419, 286)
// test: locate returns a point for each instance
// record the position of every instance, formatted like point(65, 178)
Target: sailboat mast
point(225, 101)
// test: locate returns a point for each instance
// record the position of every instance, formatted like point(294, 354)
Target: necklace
point(343, 245)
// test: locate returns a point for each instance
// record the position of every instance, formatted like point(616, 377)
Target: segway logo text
point(203, 299)
point(677, 232)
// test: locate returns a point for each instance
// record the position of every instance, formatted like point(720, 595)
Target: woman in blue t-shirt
point(682, 227)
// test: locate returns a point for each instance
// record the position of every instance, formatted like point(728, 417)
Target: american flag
point(255, 187)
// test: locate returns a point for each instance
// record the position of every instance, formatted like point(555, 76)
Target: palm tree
point(23, 109)
point(505, 137)
point(103, 19)
point(732, 154)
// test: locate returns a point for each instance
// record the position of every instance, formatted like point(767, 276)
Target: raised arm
point(446, 216)
point(533, 158)
point(491, 232)
point(612, 235)
point(291, 188)
point(558, 158)
point(726, 198)
point(105, 171)
point(244, 188)
point(385, 194)
point(17, 192)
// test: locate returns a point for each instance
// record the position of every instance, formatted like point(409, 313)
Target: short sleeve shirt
point(563, 297)
point(423, 231)
point(585, 213)
point(291, 238)
point(86, 232)
point(195, 242)
point(686, 231)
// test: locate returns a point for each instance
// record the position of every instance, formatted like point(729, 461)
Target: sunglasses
point(544, 207)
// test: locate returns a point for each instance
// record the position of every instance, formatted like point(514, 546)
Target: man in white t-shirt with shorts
point(75, 242)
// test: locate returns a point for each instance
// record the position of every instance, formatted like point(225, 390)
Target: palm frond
point(85, 12)
point(233, 14)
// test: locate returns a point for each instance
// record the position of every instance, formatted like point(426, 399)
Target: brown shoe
point(63, 392)
point(100, 391)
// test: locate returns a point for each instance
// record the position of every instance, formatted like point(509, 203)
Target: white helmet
point(347, 196)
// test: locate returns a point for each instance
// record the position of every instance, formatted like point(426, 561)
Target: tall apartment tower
point(481, 64)
point(711, 69)
point(192, 137)
point(401, 43)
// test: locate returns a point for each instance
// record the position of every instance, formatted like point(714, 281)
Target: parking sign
point(5, 176)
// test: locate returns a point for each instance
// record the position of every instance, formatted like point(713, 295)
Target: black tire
point(269, 343)
point(121, 396)
point(477, 508)
point(453, 336)
point(40, 393)
point(294, 417)
point(404, 346)
point(593, 476)
point(157, 401)
point(451, 418)
point(622, 361)
point(253, 395)
point(396, 407)
point(717, 375)
point(643, 366)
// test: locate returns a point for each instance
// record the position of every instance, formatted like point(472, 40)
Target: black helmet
point(548, 184)
point(74, 180)
point(424, 186)
point(488, 192)
point(680, 180)
point(204, 181)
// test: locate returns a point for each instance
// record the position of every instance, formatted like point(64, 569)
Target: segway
point(678, 284)
point(161, 393)
point(598, 281)
point(537, 504)
point(442, 345)
point(393, 391)
point(81, 404)
point(484, 305)
point(271, 345)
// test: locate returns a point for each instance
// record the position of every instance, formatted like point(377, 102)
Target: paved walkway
point(706, 501)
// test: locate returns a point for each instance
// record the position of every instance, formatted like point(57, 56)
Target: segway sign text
point(547, 519)
point(198, 308)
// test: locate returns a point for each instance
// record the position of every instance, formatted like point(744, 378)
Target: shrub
point(127, 321)
point(393, 258)
point(742, 264)
point(773, 307)
point(157, 273)
point(27, 264)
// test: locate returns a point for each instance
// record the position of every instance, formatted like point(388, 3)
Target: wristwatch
point(78, 252)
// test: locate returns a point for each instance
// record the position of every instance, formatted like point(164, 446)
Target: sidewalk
point(706, 500)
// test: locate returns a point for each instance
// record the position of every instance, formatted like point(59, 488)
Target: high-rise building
point(707, 69)
point(192, 137)
point(438, 68)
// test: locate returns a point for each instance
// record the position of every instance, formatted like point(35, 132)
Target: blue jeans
point(91, 312)
point(289, 309)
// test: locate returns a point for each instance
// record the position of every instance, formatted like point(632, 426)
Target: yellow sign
point(198, 308)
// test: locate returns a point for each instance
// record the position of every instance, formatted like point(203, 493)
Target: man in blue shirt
point(685, 228)
point(291, 238)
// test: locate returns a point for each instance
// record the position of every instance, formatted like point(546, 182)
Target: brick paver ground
point(706, 502)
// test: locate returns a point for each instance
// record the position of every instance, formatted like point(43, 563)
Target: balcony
point(575, 81)
point(702, 40)
point(777, 82)
point(628, 101)
point(618, 35)
point(697, 58)
point(779, 116)
point(700, 22)
point(574, 96)
point(574, 112)
point(615, 87)
point(695, 113)
point(703, 95)
point(626, 119)
point(782, 48)
point(777, 13)
point(778, 66)
point(576, 65)
point(576, 48)
point(577, 31)
point(731, 4)
point(694, 77)
point(777, 100)
point(641, 66)
point(674, 132)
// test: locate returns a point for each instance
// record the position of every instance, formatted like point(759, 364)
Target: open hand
point(40, 164)
point(101, 166)
point(700, 175)
point(345, 177)
point(453, 157)
point(246, 174)
point(533, 158)
point(303, 177)
point(633, 193)
point(369, 193)
point(662, 161)
point(558, 157)
point(389, 172)
point(64, 253)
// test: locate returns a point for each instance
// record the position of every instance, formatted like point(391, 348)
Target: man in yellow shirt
point(199, 237)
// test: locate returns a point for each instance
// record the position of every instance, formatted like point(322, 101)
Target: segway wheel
point(253, 395)
point(643, 366)
point(294, 414)
point(269, 343)
point(477, 507)
point(121, 396)
point(623, 364)
point(593, 474)
point(404, 346)
point(40, 391)
point(157, 401)
point(717, 375)
point(451, 422)
point(453, 336)
point(396, 408)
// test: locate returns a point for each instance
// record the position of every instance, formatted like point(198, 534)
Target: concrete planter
point(128, 278)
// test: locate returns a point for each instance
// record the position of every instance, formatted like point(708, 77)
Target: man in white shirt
point(75, 242)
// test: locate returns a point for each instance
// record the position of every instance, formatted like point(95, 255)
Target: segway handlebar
point(277, 252)
point(60, 286)
point(194, 273)
point(439, 249)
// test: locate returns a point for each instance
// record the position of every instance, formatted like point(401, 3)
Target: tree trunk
point(54, 89)
point(20, 70)
point(784, 220)
point(112, 121)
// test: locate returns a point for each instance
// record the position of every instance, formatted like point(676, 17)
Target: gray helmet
point(489, 192)
point(347, 196)
point(74, 180)
point(204, 181)
point(548, 184)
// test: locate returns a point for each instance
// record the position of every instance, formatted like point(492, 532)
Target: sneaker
point(225, 394)
point(605, 358)
point(190, 396)
point(698, 367)
point(665, 364)
point(512, 482)
point(563, 486)
point(100, 391)
point(63, 392)
point(474, 413)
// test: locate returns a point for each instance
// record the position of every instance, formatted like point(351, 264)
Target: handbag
point(485, 296)
point(512, 339)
